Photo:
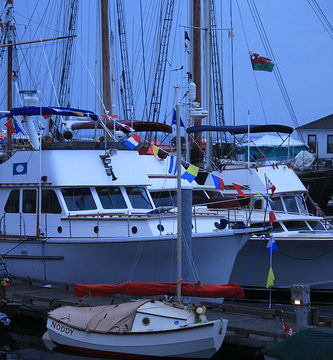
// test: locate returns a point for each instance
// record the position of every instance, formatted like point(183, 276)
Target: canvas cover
point(99, 319)
point(305, 345)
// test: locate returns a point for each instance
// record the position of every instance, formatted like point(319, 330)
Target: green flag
point(261, 63)
point(270, 278)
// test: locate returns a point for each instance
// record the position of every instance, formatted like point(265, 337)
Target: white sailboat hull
point(193, 341)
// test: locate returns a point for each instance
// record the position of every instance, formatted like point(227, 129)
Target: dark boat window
point(111, 197)
point(290, 203)
point(164, 198)
point(296, 225)
point(316, 225)
point(258, 204)
point(13, 202)
point(276, 204)
point(214, 194)
point(199, 197)
point(78, 199)
point(277, 227)
point(138, 198)
point(29, 201)
point(50, 202)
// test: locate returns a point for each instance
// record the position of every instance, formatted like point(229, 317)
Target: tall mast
point(107, 101)
point(208, 82)
point(179, 202)
point(10, 39)
point(196, 69)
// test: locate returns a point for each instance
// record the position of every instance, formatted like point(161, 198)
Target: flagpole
point(270, 267)
point(179, 201)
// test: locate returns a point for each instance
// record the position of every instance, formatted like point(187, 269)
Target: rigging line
point(321, 16)
point(254, 74)
point(144, 64)
point(50, 74)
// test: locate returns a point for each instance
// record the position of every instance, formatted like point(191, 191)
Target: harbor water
point(22, 340)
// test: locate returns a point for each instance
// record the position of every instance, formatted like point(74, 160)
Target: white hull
point(120, 260)
point(300, 260)
point(193, 341)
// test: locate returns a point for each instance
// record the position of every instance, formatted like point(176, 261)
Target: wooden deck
point(252, 325)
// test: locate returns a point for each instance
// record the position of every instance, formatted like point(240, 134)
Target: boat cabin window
point(214, 194)
point(29, 201)
point(138, 198)
point(316, 225)
point(276, 204)
point(199, 197)
point(301, 204)
point(78, 199)
point(50, 202)
point(13, 202)
point(296, 225)
point(258, 204)
point(290, 203)
point(277, 227)
point(164, 198)
point(111, 198)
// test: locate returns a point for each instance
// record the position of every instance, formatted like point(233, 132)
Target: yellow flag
point(193, 170)
point(270, 278)
point(260, 195)
point(155, 150)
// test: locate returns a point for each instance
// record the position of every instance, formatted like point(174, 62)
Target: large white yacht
point(78, 211)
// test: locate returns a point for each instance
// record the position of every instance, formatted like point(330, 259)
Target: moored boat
point(75, 212)
point(142, 328)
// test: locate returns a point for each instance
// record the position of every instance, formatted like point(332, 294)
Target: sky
point(301, 46)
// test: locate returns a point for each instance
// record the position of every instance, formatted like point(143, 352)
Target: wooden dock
point(252, 325)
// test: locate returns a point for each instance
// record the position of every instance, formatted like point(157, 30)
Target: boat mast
point(10, 40)
point(107, 101)
point(179, 202)
point(208, 82)
point(196, 70)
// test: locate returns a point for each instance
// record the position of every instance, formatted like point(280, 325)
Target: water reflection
point(20, 346)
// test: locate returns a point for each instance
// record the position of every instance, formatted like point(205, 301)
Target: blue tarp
point(45, 111)
point(241, 129)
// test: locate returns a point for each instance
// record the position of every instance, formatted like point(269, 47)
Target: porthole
point(96, 229)
point(59, 229)
point(145, 321)
point(134, 229)
point(160, 227)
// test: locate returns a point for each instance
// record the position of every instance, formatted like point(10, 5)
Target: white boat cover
point(99, 319)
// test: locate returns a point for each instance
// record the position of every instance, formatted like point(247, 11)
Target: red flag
point(238, 189)
point(271, 214)
point(10, 127)
point(288, 331)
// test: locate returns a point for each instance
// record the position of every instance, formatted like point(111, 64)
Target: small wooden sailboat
point(141, 328)
point(145, 328)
